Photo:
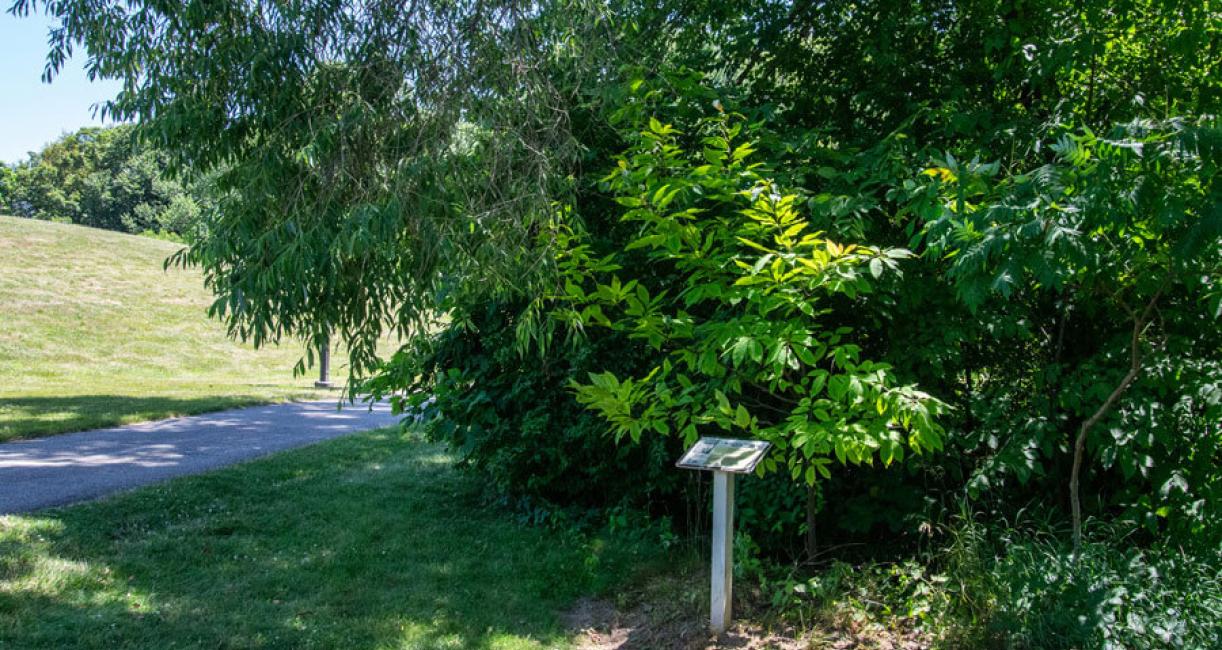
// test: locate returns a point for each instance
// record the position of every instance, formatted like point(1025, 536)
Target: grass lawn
point(94, 333)
point(370, 541)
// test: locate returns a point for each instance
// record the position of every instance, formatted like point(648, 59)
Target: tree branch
point(1140, 323)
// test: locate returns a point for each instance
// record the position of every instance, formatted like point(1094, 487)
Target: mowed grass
point(370, 541)
point(93, 332)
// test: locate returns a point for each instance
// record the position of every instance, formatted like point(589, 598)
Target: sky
point(33, 113)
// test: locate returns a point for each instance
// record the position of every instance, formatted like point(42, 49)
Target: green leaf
point(837, 387)
point(741, 417)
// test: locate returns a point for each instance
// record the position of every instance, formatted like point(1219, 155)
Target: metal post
point(723, 551)
point(324, 364)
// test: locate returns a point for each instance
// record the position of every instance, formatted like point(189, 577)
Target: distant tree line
point(102, 177)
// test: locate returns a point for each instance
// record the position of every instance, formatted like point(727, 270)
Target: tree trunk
point(812, 507)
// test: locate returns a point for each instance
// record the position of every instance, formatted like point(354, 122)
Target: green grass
point(370, 541)
point(94, 333)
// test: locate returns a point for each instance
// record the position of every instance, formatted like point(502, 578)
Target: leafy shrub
point(1121, 232)
point(1106, 596)
point(508, 415)
point(732, 298)
point(985, 583)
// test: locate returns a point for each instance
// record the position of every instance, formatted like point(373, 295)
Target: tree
point(6, 188)
point(1121, 229)
point(369, 151)
point(100, 177)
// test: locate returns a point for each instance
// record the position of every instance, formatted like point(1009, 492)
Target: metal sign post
point(725, 457)
point(722, 592)
point(324, 364)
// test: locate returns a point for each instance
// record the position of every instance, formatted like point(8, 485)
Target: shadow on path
point(62, 469)
point(26, 417)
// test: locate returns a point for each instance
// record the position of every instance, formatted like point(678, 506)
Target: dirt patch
point(668, 619)
point(601, 626)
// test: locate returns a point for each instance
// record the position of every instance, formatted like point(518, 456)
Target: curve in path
point(74, 467)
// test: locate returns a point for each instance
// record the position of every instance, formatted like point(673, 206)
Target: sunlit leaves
point(744, 352)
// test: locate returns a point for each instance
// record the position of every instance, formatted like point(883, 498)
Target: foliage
point(480, 168)
point(1020, 585)
point(1105, 597)
point(6, 185)
point(512, 419)
point(1010, 584)
point(729, 302)
point(1122, 232)
point(100, 177)
point(370, 152)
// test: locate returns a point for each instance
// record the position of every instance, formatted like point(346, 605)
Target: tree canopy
point(385, 145)
point(103, 178)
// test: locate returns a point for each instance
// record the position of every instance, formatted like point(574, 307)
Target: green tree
point(1126, 230)
point(368, 152)
point(6, 188)
point(103, 178)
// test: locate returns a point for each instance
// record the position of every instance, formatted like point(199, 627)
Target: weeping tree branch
point(377, 155)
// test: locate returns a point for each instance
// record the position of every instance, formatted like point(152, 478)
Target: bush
point(1023, 586)
point(1109, 595)
point(509, 415)
point(1017, 586)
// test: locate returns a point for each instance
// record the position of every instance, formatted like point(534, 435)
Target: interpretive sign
point(725, 455)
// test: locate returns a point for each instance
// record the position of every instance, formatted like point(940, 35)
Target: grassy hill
point(93, 333)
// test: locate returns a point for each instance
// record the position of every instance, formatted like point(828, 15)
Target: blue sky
point(33, 113)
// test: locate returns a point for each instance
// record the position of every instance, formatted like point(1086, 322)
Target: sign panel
point(725, 455)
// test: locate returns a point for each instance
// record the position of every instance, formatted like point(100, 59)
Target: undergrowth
point(1018, 586)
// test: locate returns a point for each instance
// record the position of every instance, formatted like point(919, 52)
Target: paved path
point(77, 466)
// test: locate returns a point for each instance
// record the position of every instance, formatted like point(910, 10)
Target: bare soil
point(668, 614)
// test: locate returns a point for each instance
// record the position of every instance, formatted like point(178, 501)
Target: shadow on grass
point(30, 417)
point(367, 541)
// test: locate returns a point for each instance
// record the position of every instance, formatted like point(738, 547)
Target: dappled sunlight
point(31, 570)
point(154, 455)
point(51, 471)
point(370, 541)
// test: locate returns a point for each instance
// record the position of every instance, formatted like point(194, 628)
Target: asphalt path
point(73, 467)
